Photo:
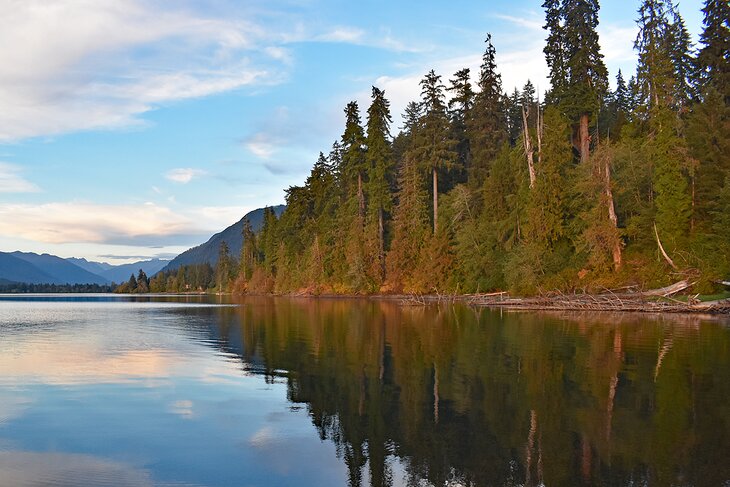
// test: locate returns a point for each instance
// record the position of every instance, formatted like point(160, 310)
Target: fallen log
point(669, 290)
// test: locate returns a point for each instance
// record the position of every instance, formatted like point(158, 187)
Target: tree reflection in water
point(462, 396)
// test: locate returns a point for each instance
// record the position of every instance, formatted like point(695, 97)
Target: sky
point(136, 129)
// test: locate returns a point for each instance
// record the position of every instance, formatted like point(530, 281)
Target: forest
point(584, 187)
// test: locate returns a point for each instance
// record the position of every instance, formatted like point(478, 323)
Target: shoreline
point(639, 302)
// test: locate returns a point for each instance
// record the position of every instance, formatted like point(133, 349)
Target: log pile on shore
point(626, 299)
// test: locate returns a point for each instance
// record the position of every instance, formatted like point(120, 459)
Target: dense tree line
point(584, 188)
point(186, 278)
point(24, 287)
point(482, 190)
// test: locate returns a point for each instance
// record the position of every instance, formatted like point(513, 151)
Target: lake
point(205, 391)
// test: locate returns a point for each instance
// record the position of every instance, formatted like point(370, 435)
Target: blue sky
point(133, 129)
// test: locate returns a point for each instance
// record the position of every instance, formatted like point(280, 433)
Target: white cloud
point(87, 222)
point(532, 22)
point(184, 175)
point(220, 216)
point(52, 226)
point(617, 42)
point(12, 182)
point(342, 34)
point(261, 145)
point(77, 65)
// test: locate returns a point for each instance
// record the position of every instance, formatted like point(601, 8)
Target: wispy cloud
point(137, 225)
point(86, 222)
point(260, 144)
point(78, 65)
point(12, 182)
point(531, 22)
point(184, 175)
point(342, 34)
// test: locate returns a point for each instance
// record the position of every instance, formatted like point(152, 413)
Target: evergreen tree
point(514, 116)
point(353, 153)
point(460, 110)
point(587, 76)
point(131, 284)
point(680, 50)
point(223, 267)
point(380, 167)
point(714, 57)
point(555, 51)
point(547, 217)
point(143, 282)
point(655, 72)
point(433, 147)
point(487, 127)
point(248, 251)
point(410, 227)
point(671, 192)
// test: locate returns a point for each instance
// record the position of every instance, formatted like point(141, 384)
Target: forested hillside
point(585, 187)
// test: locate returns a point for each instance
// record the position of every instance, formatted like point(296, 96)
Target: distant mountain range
point(30, 268)
point(27, 267)
point(232, 236)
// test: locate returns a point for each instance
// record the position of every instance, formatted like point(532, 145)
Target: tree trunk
point(539, 132)
point(585, 139)
point(360, 196)
point(435, 200)
point(612, 216)
point(528, 148)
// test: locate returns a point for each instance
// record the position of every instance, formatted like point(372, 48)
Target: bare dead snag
point(529, 151)
point(539, 132)
point(664, 253)
point(612, 216)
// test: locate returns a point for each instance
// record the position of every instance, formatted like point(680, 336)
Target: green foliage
point(486, 126)
point(547, 218)
point(713, 60)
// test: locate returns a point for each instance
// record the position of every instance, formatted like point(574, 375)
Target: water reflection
point(478, 398)
point(281, 391)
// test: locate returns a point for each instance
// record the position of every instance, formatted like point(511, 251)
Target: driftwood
point(621, 299)
point(624, 299)
point(669, 290)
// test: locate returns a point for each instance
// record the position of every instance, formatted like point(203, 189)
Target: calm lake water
point(194, 391)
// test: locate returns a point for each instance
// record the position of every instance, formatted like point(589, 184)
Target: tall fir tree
point(460, 111)
point(685, 66)
point(433, 147)
point(249, 252)
point(487, 127)
point(555, 50)
point(655, 71)
point(354, 164)
point(380, 168)
point(587, 75)
point(713, 58)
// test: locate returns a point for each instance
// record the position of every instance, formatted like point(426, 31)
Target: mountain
point(13, 269)
point(232, 236)
point(121, 273)
point(61, 270)
point(91, 266)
